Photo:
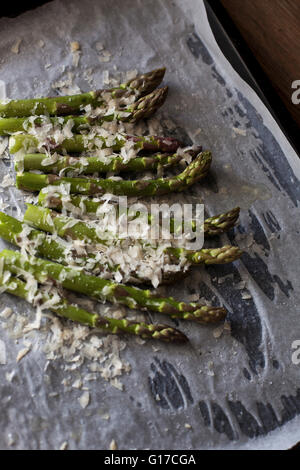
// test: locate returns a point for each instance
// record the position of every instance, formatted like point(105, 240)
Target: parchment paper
point(238, 390)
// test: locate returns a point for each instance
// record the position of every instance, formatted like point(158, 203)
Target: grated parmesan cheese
point(84, 399)
point(22, 353)
point(113, 445)
point(239, 131)
point(2, 353)
point(75, 46)
point(64, 446)
point(7, 181)
point(4, 147)
point(99, 46)
point(6, 313)
point(16, 47)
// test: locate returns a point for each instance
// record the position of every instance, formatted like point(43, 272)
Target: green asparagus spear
point(62, 105)
point(224, 254)
point(20, 234)
point(194, 172)
point(82, 143)
point(74, 166)
point(212, 226)
point(141, 109)
point(52, 198)
point(64, 308)
point(82, 205)
point(221, 223)
point(39, 243)
point(68, 228)
point(104, 290)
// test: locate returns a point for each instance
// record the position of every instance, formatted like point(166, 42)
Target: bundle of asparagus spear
point(63, 148)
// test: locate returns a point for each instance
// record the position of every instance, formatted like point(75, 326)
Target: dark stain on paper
point(272, 159)
point(198, 49)
point(256, 266)
point(247, 423)
point(169, 388)
point(258, 232)
point(267, 420)
point(271, 222)
point(243, 315)
point(221, 422)
point(204, 413)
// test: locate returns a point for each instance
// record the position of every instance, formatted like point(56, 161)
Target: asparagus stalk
point(104, 290)
point(141, 109)
point(39, 243)
point(52, 198)
point(90, 165)
point(221, 223)
point(64, 308)
point(69, 228)
point(63, 105)
point(194, 172)
point(81, 143)
point(215, 225)
point(207, 256)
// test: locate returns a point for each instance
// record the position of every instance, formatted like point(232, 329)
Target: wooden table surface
point(271, 29)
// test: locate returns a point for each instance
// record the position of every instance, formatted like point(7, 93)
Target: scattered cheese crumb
point(187, 426)
point(3, 95)
point(139, 340)
point(16, 47)
point(77, 383)
point(66, 86)
point(6, 313)
point(193, 297)
point(7, 181)
point(113, 445)
point(246, 296)
point(64, 446)
point(210, 366)
point(84, 399)
point(10, 440)
point(99, 46)
point(9, 376)
point(131, 74)
point(76, 52)
point(217, 333)
point(2, 353)
point(117, 384)
point(41, 43)
point(105, 76)
point(3, 140)
point(240, 285)
point(75, 46)
point(105, 56)
point(22, 353)
point(239, 131)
